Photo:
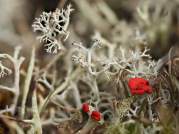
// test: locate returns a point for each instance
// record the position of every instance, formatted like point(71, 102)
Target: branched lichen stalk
point(59, 89)
point(27, 82)
point(17, 62)
point(36, 116)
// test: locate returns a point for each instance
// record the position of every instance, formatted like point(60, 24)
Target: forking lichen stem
point(59, 89)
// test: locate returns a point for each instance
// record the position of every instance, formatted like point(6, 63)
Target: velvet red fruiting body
point(95, 115)
point(85, 107)
point(139, 86)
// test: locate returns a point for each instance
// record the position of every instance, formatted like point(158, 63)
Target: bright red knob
point(95, 115)
point(85, 107)
point(139, 86)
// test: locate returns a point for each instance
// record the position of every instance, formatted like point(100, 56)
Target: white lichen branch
point(27, 82)
point(17, 62)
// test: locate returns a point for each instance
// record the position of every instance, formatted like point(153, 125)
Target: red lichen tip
point(139, 86)
point(85, 107)
point(95, 115)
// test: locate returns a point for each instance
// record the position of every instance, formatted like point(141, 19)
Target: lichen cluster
point(95, 70)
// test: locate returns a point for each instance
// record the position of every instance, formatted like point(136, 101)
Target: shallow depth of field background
point(118, 21)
